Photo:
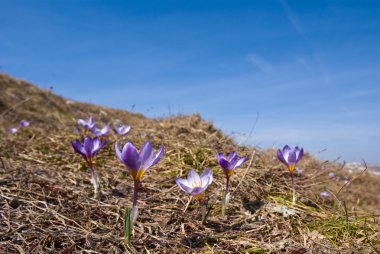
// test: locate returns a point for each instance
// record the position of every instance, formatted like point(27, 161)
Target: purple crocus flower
point(24, 123)
point(121, 129)
point(324, 194)
point(290, 157)
point(331, 175)
point(13, 130)
point(88, 124)
point(195, 184)
point(138, 163)
point(230, 162)
point(89, 148)
point(100, 132)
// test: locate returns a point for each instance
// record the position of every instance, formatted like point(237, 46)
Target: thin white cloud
point(260, 63)
point(294, 20)
point(299, 28)
point(303, 62)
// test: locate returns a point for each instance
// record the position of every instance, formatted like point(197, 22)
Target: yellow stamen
point(199, 196)
point(137, 174)
point(228, 173)
point(291, 167)
point(140, 174)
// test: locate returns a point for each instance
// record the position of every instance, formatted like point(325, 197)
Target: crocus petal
point(130, 156)
point(197, 190)
point(13, 130)
point(206, 177)
point(88, 123)
point(223, 162)
point(24, 123)
point(88, 145)
point(99, 146)
point(104, 130)
point(231, 155)
point(103, 144)
point(296, 151)
point(158, 156)
point(206, 182)
point(206, 173)
point(100, 132)
point(97, 132)
point(285, 152)
point(193, 179)
point(219, 156)
point(324, 194)
point(80, 121)
point(95, 146)
point(281, 157)
point(292, 159)
point(118, 152)
point(122, 129)
point(241, 161)
point(78, 147)
point(299, 155)
point(125, 130)
point(146, 155)
point(233, 162)
point(183, 184)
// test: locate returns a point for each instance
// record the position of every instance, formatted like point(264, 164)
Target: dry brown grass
point(46, 203)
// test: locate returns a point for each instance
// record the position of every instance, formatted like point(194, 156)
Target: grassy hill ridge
point(46, 200)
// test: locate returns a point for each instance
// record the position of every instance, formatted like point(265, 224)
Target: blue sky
point(309, 69)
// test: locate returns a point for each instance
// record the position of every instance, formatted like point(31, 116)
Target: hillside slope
point(46, 202)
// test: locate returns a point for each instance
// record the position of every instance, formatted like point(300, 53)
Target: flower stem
point(134, 211)
point(95, 182)
point(227, 184)
point(294, 190)
point(135, 190)
point(224, 196)
point(92, 171)
point(204, 213)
